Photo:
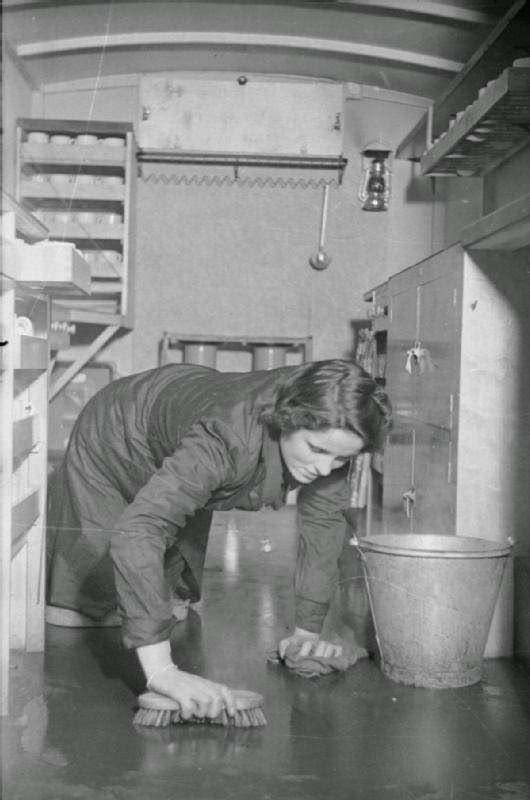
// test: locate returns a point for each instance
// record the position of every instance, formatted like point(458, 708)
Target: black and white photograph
point(265, 400)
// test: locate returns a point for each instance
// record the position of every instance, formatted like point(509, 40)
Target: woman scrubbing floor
point(153, 455)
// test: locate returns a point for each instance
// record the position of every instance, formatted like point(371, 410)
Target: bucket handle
point(355, 543)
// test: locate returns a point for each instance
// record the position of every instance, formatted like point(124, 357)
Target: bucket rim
point(495, 549)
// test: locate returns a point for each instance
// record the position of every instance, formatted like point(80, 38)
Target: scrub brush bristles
point(157, 711)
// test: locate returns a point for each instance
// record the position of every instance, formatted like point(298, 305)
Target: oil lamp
point(374, 190)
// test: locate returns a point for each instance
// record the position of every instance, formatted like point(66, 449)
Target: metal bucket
point(432, 600)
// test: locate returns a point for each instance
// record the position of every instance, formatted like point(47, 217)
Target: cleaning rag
point(313, 666)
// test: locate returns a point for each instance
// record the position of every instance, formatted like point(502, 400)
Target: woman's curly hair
point(330, 394)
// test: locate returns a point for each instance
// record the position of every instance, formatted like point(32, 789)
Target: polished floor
point(353, 736)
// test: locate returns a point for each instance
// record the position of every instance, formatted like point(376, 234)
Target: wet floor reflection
point(353, 736)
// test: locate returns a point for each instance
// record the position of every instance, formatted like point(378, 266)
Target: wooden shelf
point(23, 437)
point(507, 228)
point(186, 338)
point(31, 354)
point(88, 316)
point(67, 194)
point(72, 127)
point(27, 226)
point(57, 268)
point(69, 231)
point(73, 154)
point(93, 173)
point(492, 128)
point(103, 268)
point(506, 42)
point(24, 514)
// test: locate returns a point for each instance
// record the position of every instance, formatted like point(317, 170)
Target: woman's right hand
point(196, 696)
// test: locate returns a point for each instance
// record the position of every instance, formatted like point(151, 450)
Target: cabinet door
point(401, 387)
point(275, 117)
point(438, 339)
point(400, 382)
point(434, 506)
point(398, 478)
point(422, 372)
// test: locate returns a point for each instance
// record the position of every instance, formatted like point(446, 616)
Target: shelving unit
point(31, 274)
point(506, 42)
point(79, 179)
point(488, 131)
point(267, 351)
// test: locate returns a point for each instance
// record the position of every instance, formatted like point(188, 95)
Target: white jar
point(112, 180)
point(86, 217)
point(110, 218)
point(84, 178)
point(60, 178)
point(38, 137)
point(86, 139)
point(60, 138)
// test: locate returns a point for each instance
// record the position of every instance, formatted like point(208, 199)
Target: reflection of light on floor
point(266, 617)
point(231, 553)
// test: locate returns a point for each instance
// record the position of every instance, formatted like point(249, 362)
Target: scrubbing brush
point(157, 711)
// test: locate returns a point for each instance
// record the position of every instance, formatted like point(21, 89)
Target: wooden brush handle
point(244, 700)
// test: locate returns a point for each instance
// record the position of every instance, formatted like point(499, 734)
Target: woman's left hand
point(310, 644)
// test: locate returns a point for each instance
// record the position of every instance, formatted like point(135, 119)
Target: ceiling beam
point(444, 11)
point(233, 39)
point(421, 8)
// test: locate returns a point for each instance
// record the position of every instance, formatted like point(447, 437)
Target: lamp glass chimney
point(374, 192)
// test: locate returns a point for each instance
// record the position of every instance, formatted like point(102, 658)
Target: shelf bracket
point(99, 342)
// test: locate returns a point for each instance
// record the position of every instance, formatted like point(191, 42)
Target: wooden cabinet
point(457, 459)
point(422, 381)
point(79, 179)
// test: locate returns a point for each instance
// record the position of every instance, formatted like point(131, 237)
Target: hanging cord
point(355, 542)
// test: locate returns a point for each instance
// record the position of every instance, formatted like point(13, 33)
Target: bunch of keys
point(418, 360)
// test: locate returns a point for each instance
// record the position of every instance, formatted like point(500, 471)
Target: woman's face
point(310, 454)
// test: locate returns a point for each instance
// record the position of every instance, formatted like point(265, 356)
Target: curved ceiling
point(400, 45)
